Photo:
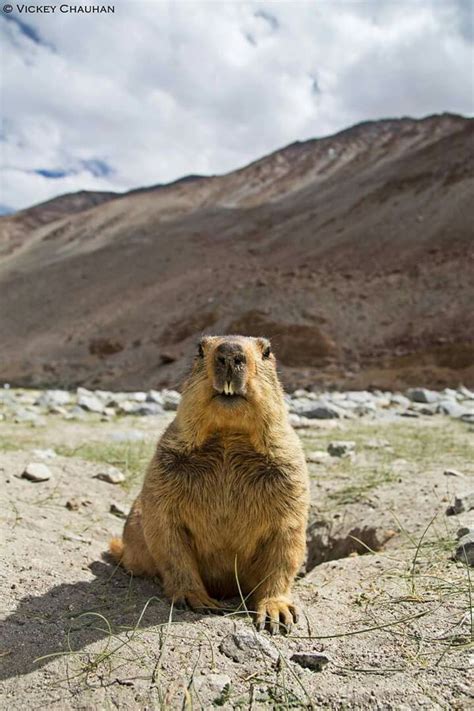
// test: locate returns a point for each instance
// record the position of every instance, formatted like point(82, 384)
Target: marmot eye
point(267, 352)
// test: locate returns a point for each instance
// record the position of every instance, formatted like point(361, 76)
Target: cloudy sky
point(160, 89)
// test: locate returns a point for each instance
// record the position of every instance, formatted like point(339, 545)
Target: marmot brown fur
point(224, 502)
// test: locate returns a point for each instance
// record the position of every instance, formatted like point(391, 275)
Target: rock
point(310, 660)
point(140, 409)
point(461, 504)
point(422, 395)
point(73, 505)
point(21, 416)
point(368, 408)
point(91, 403)
point(465, 393)
point(36, 471)
point(468, 417)
point(464, 530)
point(54, 398)
point(401, 400)
point(111, 476)
point(465, 549)
point(428, 409)
point(321, 412)
point(247, 645)
point(341, 448)
point(409, 413)
point(44, 453)
point(155, 396)
point(126, 407)
point(118, 510)
point(318, 457)
point(171, 399)
point(453, 472)
point(215, 686)
point(295, 420)
point(452, 408)
point(137, 397)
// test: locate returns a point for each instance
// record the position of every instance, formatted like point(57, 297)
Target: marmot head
point(234, 383)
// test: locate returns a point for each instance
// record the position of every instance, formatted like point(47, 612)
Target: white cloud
point(161, 89)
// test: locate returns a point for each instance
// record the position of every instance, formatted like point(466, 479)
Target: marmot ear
point(265, 346)
point(201, 345)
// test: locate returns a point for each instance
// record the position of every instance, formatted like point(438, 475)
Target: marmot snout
point(224, 503)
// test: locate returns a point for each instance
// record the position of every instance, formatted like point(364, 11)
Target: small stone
point(464, 530)
point(244, 645)
point(461, 504)
point(118, 510)
point(422, 395)
point(54, 398)
point(465, 549)
point(111, 476)
point(171, 399)
point(453, 472)
point(341, 448)
point(155, 396)
point(23, 416)
point(44, 453)
point(36, 471)
point(321, 412)
point(401, 400)
point(465, 393)
point(91, 403)
point(73, 505)
point(295, 420)
point(137, 397)
point(126, 407)
point(310, 660)
point(453, 409)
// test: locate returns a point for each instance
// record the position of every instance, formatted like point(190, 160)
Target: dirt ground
point(396, 623)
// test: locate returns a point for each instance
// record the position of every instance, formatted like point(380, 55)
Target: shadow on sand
point(47, 624)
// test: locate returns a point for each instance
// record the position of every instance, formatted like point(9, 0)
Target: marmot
point(223, 507)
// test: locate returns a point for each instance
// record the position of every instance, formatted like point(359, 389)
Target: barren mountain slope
point(354, 253)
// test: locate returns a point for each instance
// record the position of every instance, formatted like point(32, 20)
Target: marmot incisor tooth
point(225, 496)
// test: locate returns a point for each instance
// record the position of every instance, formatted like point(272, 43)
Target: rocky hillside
point(354, 253)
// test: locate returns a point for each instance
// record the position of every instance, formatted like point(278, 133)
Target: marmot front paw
point(278, 612)
point(197, 601)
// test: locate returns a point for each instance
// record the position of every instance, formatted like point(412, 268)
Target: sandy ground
point(395, 624)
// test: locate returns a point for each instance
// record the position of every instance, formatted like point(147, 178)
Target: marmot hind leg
point(132, 551)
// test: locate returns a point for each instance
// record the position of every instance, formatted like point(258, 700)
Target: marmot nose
point(230, 355)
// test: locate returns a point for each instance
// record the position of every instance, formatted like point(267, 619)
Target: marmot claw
point(279, 614)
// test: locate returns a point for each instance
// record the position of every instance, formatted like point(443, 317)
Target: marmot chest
point(223, 484)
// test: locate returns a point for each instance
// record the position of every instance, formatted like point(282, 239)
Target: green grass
point(131, 458)
point(438, 444)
